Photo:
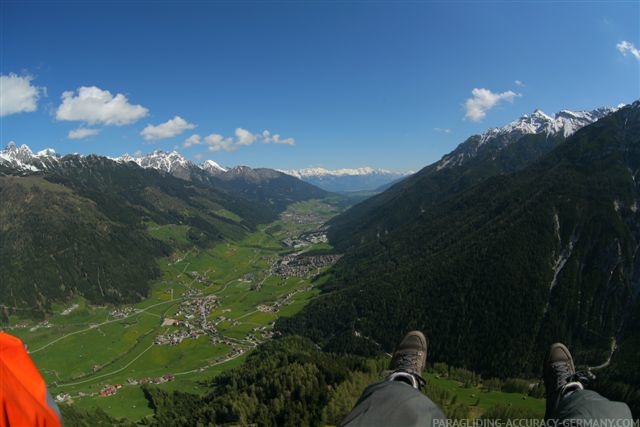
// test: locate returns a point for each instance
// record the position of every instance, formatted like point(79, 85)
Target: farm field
point(207, 311)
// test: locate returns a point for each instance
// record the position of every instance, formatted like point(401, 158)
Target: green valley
point(206, 312)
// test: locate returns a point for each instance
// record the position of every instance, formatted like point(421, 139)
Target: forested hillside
point(80, 228)
point(495, 152)
point(270, 187)
point(498, 270)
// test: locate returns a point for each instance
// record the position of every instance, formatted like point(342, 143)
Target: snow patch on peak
point(211, 166)
point(539, 114)
point(172, 162)
point(564, 122)
point(22, 158)
point(47, 152)
point(160, 160)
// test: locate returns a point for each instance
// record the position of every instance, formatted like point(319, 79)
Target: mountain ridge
point(268, 186)
point(564, 123)
point(494, 152)
point(551, 247)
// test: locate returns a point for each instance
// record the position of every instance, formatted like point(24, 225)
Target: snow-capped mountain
point(173, 163)
point(22, 159)
point(260, 183)
point(170, 162)
point(212, 167)
point(306, 172)
point(158, 160)
point(563, 124)
point(275, 190)
point(344, 180)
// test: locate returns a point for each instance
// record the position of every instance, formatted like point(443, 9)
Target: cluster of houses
point(306, 240)
point(199, 278)
point(265, 331)
point(302, 218)
point(302, 266)
point(62, 397)
point(195, 310)
point(43, 324)
point(110, 390)
point(121, 312)
point(157, 380)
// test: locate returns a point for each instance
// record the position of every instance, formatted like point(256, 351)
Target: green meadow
point(82, 348)
point(477, 399)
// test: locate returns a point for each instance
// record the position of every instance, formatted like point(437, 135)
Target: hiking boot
point(559, 374)
point(409, 359)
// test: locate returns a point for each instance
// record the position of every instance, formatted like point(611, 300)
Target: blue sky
point(341, 83)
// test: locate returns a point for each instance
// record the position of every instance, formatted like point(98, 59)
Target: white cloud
point(519, 83)
point(199, 156)
point(82, 133)
point(267, 138)
point(242, 138)
point(217, 142)
point(94, 105)
point(627, 47)
point(442, 130)
point(194, 139)
point(484, 100)
point(168, 129)
point(17, 94)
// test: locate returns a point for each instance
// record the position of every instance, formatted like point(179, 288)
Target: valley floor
point(209, 309)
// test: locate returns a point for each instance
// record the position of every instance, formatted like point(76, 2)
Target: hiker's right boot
point(409, 360)
point(559, 374)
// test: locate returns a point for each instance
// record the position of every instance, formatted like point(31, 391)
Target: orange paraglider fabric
point(23, 393)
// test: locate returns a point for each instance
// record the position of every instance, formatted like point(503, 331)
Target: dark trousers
point(587, 405)
point(394, 403)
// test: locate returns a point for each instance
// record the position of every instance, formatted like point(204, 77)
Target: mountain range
point(349, 180)
point(268, 186)
point(496, 151)
point(84, 221)
point(528, 238)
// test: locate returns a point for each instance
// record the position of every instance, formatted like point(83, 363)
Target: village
point(304, 218)
point(194, 311)
point(299, 265)
point(196, 314)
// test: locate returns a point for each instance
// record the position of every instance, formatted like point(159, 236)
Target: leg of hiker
point(398, 401)
point(569, 402)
